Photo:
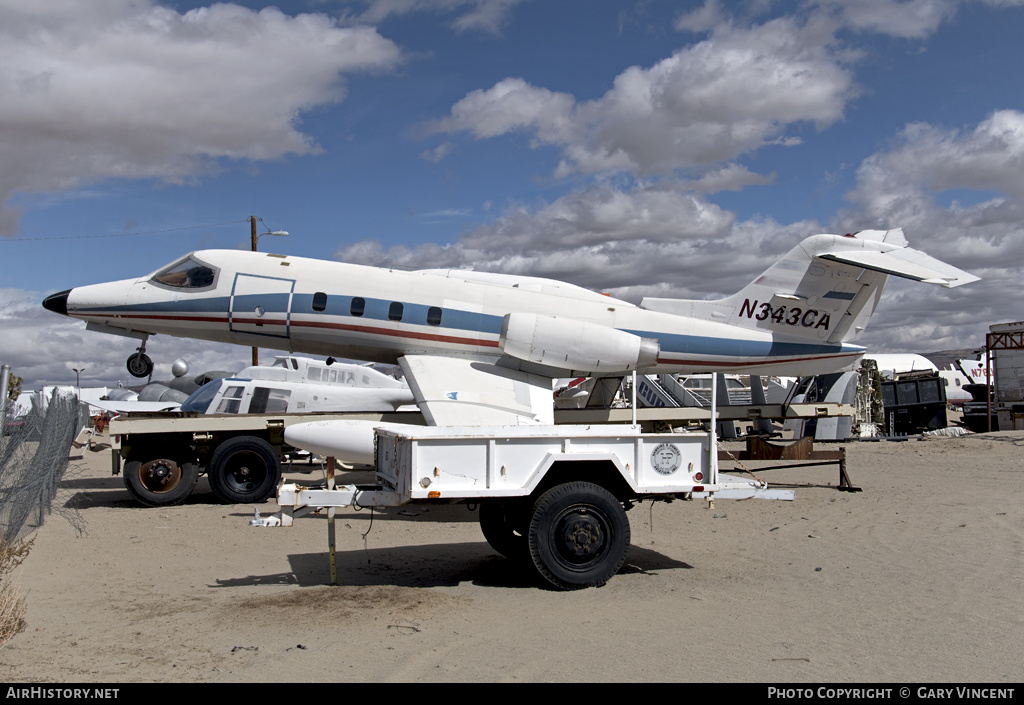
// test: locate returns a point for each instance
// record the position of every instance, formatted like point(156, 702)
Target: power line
point(126, 234)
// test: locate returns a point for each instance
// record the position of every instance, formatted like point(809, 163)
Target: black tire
point(578, 535)
point(244, 470)
point(160, 481)
point(504, 526)
point(139, 365)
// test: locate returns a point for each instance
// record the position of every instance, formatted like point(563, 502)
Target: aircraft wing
point(452, 391)
point(125, 407)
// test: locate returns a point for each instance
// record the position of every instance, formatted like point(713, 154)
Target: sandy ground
point(917, 578)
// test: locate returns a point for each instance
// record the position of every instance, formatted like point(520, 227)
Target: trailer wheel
point(578, 535)
point(502, 526)
point(160, 482)
point(244, 469)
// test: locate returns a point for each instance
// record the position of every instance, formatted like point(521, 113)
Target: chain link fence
point(34, 451)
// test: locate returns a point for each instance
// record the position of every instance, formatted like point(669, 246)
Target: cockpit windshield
point(201, 398)
point(189, 273)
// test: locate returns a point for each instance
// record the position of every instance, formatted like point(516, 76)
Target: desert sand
point(915, 579)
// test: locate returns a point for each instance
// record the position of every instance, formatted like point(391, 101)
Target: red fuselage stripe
point(414, 335)
point(433, 337)
point(411, 335)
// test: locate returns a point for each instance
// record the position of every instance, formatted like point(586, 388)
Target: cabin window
point(228, 406)
point(433, 316)
point(187, 274)
point(230, 400)
point(313, 374)
point(358, 306)
point(269, 401)
point(319, 301)
point(395, 311)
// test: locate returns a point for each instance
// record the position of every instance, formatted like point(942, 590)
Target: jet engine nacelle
point(569, 344)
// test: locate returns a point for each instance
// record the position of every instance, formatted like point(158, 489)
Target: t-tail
point(823, 290)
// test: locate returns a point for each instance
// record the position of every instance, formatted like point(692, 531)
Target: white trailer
point(555, 496)
point(1004, 353)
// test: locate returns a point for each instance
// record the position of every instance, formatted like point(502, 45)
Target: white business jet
point(483, 349)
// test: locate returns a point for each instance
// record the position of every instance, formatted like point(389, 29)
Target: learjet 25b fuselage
point(459, 333)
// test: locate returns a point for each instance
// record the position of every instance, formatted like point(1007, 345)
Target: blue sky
point(640, 148)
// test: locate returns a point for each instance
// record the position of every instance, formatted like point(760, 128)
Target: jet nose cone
point(58, 303)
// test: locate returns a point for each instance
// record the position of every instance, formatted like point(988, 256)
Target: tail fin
point(824, 289)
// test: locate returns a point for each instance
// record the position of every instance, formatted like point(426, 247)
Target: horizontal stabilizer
point(904, 262)
point(824, 290)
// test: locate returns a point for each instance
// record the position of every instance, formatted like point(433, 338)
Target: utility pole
point(252, 221)
point(255, 239)
point(5, 377)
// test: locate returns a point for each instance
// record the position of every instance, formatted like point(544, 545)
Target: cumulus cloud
point(640, 239)
point(991, 156)
point(730, 177)
point(900, 185)
point(913, 19)
point(438, 153)
point(133, 89)
point(711, 102)
point(646, 240)
point(489, 16)
point(701, 19)
point(907, 19)
point(981, 230)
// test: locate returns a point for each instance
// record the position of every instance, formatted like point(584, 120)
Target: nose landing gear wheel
point(139, 365)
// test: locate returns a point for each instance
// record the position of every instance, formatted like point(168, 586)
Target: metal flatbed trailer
point(164, 453)
point(554, 497)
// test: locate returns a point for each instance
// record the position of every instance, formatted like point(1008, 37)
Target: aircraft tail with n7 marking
point(823, 290)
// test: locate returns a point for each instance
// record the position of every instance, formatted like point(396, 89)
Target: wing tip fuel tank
point(347, 441)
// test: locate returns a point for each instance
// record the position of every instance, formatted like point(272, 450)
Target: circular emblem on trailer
point(666, 459)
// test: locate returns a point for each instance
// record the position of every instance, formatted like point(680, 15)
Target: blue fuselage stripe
point(339, 306)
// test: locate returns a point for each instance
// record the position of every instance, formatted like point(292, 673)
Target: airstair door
point(261, 305)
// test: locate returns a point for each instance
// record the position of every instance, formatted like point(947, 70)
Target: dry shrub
point(12, 603)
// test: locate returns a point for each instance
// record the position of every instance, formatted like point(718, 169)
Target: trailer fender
point(597, 468)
